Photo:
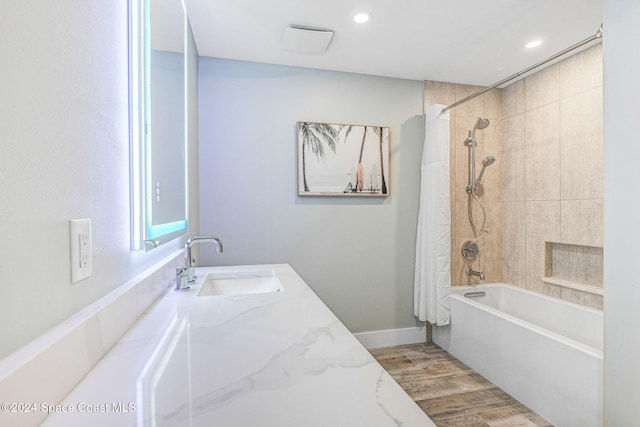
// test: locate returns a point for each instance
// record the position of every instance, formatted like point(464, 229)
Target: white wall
point(622, 213)
point(64, 132)
point(356, 254)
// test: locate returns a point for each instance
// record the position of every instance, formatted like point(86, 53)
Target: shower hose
point(478, 230)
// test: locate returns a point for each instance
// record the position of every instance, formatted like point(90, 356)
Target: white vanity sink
point(241, 282)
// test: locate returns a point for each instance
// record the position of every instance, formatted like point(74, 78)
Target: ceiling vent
point(307, 40)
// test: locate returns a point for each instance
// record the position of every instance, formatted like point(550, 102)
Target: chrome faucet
point(188, 272)
point(181, 274)
point(471, 272)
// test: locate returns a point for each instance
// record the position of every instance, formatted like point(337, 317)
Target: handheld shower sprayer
point(488, 161)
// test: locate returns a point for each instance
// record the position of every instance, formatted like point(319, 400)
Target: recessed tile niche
point(574, 266)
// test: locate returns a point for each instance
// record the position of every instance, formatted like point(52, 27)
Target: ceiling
point(460, 41)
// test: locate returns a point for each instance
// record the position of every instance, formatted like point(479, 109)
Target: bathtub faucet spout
point(471, 272)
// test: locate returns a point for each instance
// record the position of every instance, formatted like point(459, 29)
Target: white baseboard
point(391, 337)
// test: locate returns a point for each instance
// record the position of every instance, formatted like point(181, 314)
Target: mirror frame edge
point(144, 236)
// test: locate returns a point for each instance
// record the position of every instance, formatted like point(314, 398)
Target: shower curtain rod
point(596, 36)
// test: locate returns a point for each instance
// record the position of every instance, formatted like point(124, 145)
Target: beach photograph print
point(343, 160)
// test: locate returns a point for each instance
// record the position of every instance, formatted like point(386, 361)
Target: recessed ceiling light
point(534, 43)
point(362, 17)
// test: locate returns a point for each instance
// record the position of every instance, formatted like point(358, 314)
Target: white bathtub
point(545, 352)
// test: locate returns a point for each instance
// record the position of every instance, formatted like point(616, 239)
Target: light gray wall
point(356, 254)
point(622, 207)
point(65, 154)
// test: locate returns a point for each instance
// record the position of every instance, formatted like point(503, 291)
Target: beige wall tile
point(459, 158)
point(492, 181)
point(542, 153)
point(582, 222)
point(582, 71)
point(460, 232)
point(546, 150)
point(576, 263)
point(561, 261)
point(513, 162)
point(542, 225)
point(471, 108)
point(513, 99)
point(514, 243)
point(542, 88)
point(454, 252)
point(438, 93)
point(493, 104)
point(546, 134)
point(552, 290)
point(491, 246)
point(583, 298)
point(548, 258)
point(586, 265)
point(594, 301)
point(573, 295)
point(581, 146)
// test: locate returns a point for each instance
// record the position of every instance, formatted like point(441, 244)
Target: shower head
point(481, 123)
point(489, 160)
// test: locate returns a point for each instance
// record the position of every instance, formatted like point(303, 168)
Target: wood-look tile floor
point(451, 393)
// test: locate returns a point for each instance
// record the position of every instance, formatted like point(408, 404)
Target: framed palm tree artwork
point(343, 160)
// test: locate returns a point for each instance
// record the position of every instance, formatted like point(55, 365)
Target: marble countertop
point(273, 359)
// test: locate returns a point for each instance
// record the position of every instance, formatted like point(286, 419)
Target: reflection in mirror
point(158, 122)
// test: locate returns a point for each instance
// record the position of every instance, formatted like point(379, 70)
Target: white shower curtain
point(432, 283)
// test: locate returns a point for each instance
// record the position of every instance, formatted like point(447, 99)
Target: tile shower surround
point(547, 183)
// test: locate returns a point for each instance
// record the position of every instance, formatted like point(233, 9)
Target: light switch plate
point(80, 242)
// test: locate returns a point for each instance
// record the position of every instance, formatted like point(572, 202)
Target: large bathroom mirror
point(159, 175)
